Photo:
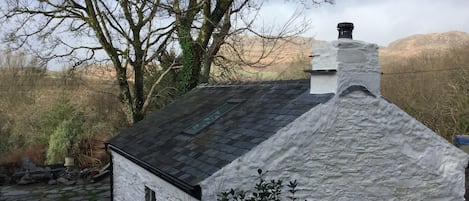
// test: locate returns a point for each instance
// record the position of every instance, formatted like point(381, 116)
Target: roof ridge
point(251, 83)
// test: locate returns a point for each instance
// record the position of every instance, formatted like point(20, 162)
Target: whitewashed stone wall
point(356, 63)
point(130, 181)
point(355, 147)
point(324, 58)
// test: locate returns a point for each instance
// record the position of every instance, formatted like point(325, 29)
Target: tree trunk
point(126, 96)
point(185, 41)
point(206, 68)
point(138, 92)
point(197, 53)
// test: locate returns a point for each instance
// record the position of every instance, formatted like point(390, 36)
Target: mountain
point(292, 56)
point(429, 41)
point(282, 56)
point(413, 45)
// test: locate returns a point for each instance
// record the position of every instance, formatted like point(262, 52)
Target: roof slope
point(159, 140)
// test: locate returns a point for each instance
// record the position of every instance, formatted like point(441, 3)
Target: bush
point(263, 191)
point(433, 87)
point(64, 141)
point(64, 130)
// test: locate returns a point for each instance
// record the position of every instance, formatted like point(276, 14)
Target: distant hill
point(292, 56)
point(429, 41)
point(407, 47)
point(280, 60)
point(412, 45)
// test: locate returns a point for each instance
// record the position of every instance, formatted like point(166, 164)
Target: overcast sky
point(380, 21)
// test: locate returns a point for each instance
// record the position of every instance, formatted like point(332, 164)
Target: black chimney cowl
point(345, 30)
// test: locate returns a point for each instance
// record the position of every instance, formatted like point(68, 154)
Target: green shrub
point(64, 141)
point(63, 128)
point(263, 191)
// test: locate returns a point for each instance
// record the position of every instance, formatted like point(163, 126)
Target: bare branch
point(155, 84)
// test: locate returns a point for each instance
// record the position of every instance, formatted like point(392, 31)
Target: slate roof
point(159, 143)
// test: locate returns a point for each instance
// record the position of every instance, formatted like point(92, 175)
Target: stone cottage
point(335, 134)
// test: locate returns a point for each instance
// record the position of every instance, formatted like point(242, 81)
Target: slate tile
point(205, 167)
point(243, 145)
point(223, 140)
point(239, 152)
point(212, 160)
point(211, 152)
point(185, 176)
point(193, 154)
point(197, 163)
point(230, 157)
point(173, 171)
point(229, 149)
point(256, 140)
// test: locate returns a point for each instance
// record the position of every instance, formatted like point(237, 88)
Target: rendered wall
point(355, 147)
point(324, 58)
point(130, 181)
point(356, 63)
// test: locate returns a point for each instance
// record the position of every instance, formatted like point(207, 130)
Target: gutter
point(194, 191)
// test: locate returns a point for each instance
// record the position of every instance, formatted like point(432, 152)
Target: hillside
point(293, 56)
point(426, 75)
point(284, 56)
point(413, 45)
point(433, 41)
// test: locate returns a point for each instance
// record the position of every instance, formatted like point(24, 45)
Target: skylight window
point(213, 116)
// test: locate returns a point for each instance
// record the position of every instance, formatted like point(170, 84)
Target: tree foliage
point(131, 34)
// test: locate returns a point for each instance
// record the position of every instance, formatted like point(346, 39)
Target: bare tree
point(209, 31)
point(19, 76)
point(134, 33)
point(20, 79)
point(130, 33)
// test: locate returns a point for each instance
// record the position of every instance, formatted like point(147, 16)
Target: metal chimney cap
point(345, 29)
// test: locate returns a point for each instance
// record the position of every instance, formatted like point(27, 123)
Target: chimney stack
point(343, 63)
point(345, 30)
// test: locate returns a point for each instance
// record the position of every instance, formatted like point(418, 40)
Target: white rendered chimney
point(339, 64)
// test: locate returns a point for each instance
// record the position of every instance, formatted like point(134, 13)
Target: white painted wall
point(356, 63)
point(130, 181)
point(352, 148)
point(325, 58)
point(323, 84)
